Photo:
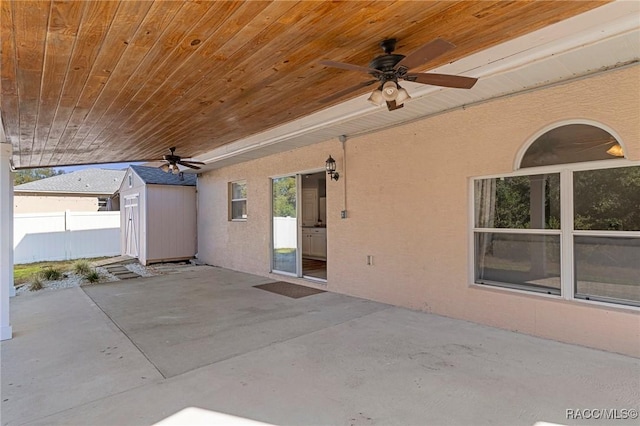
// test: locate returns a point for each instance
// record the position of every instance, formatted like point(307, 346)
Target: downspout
point(343, 141)
point(197, 208)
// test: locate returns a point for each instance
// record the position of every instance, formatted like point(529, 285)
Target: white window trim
point(566, 229)
point(231, 200)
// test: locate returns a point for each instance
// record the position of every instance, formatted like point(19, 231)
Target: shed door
point(132, 228)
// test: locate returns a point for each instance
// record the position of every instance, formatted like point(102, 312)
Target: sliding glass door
point(285, 225)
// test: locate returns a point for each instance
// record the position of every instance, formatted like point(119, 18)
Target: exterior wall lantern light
point(331, 169)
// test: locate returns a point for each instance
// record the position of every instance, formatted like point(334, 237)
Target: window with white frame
point(103, 204)
point(238, 200)
point(564, 228)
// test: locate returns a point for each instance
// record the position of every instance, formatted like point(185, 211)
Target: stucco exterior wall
point(407, 199)
point(50, 204)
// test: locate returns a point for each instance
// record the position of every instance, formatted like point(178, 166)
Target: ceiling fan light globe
point(403, 95)
point(165, 168)
point(376, 97)
point(390, 91)
point(176, 170)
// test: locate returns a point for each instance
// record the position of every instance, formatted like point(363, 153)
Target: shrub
point(92, 276)
point(82, 267)
point(36, 283)
point(51, 274)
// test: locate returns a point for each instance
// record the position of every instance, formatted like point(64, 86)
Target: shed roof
point(155, 176)
point(86, 181)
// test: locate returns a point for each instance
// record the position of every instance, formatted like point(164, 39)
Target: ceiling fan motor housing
point(387, 63)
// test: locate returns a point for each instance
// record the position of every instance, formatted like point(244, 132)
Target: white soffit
point(604, 38)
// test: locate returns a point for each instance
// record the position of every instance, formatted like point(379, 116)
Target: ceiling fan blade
point(425, 53)
point(347, 91)
point(350, 67)
point(191, 166)
point(444, 80)
point(391, 105)
point(192, 162)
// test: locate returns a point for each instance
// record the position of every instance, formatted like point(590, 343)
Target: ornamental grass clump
point(50, 273)
point(36, 283)
point(82, 267)
point(92, 276)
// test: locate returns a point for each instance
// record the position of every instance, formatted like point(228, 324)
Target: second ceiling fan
point(172, 161)
point(387, 69)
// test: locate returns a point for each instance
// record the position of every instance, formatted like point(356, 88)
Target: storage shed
point(157, 215)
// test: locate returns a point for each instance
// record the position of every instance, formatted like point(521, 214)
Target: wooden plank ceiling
point(109, 81)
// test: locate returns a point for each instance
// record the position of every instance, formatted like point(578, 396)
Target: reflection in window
point(285, 226)
point(607, 199)
point(523, 261)
point(520, 202)
point(517, 235)
point(238, 205)
point(607, 268)
point(573, 143)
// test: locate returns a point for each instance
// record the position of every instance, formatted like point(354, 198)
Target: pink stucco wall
point(48, 204)
point(407, 200)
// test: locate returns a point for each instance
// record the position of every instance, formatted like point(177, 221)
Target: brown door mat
point(290, 290)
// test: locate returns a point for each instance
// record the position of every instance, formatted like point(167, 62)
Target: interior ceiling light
point(616, 150)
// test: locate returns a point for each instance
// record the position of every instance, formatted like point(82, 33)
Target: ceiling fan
point(387, 69)
point(172, 161)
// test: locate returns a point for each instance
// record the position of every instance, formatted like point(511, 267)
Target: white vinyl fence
point(284, 232)
point(65, 235)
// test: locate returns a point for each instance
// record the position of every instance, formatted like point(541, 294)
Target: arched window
point(567, 223)
point(572, 143)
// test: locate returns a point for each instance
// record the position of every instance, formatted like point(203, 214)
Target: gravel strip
point(140, 270)
point(71, 279)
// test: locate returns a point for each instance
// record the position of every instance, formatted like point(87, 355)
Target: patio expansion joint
point(239, 354)
point(126, 335)
point(175, 377)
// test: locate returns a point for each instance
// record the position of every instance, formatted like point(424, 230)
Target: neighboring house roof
point(155, 176)
point(82, 182)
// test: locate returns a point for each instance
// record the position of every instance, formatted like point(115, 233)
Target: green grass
point(285, 250)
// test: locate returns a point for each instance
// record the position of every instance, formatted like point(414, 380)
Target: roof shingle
point(155, 176)
point(87, 181)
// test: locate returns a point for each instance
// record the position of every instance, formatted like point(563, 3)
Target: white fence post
point(67, 240)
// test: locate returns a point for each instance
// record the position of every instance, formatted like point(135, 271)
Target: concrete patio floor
point(138, 351)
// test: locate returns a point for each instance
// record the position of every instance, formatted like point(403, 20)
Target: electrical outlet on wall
point(343, 214)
